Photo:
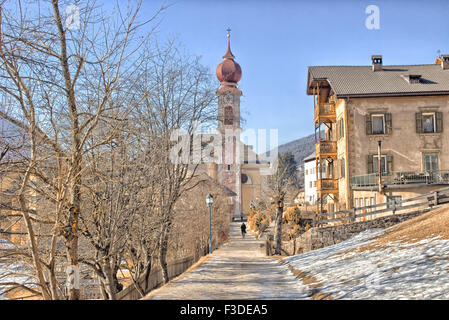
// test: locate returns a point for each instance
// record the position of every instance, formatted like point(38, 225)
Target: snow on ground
point(363, 268)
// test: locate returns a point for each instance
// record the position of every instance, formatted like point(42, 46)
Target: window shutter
point(342, 167)
point(342, 129)
point(389, 164)
point(336, 169)
point(388, 123)
point(418, 117)
point(439, 121)
point(369, 126)
point(370, 164)
point(338, 130)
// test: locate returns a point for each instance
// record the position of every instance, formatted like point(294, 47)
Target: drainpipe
point(379, 163)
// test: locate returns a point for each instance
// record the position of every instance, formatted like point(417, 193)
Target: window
point(430, 161)
point(228, 167)
point(307, 172)
point(386, 163)
point(314, 184)
point(383, 163)
point(429, 122)
point(378, 121)
point(340, 129)
point(414, 78)
point(228, 116)
point(342, 168)
point(367, 204)
point(310, 184)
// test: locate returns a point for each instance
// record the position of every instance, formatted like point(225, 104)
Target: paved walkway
point(238, 270)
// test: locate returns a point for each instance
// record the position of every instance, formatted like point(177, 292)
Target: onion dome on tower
point(229, 71)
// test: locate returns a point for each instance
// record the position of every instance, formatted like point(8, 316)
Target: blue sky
point(275, 42)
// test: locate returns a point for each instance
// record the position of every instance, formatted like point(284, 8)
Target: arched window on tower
point(228, 116)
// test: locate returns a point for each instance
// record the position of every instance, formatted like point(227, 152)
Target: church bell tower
point(229, 74)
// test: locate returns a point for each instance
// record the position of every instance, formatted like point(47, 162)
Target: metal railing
point(402, 178)
point(425, 201)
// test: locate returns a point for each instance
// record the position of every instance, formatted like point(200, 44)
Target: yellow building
point(382, 119)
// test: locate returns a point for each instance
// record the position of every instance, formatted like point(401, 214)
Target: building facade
point(385, 131)
point(310, 179)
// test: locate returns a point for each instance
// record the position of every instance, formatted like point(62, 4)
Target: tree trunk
point(278, 230)
point(163, 246)
point(109, 282)
point(75, 184)
point(147, 274)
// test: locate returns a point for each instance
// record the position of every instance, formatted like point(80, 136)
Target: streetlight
point(209, 202)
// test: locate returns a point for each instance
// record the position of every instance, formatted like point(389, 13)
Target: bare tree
point(63, 83)
point(178, 95)
point(278, 185)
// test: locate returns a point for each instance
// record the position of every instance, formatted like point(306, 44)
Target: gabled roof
point(310, 157)
point(362, 81)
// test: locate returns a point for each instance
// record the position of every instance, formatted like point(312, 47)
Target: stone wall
point(316, 238)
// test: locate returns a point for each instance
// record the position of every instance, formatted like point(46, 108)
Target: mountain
point(300, 148)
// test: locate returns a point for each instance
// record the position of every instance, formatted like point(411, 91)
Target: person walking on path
point(243, 228)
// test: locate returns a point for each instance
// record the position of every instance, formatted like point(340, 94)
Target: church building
point(240, 167)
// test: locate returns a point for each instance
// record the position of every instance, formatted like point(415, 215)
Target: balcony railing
point(402, 178)
point(327, 185)
point(326, 147)
point(325, 110)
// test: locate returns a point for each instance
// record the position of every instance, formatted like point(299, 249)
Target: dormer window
point(412, 78)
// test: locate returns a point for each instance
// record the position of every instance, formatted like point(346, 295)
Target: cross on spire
point(229, 32)
point(228, 54)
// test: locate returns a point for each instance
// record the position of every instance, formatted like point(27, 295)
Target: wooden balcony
point(325, 112)
point(327, 186)
point(326, 149)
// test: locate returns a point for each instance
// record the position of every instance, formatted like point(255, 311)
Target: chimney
point(376, 62)
point(445, 61)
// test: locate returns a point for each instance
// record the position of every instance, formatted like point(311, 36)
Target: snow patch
point(395, 270)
